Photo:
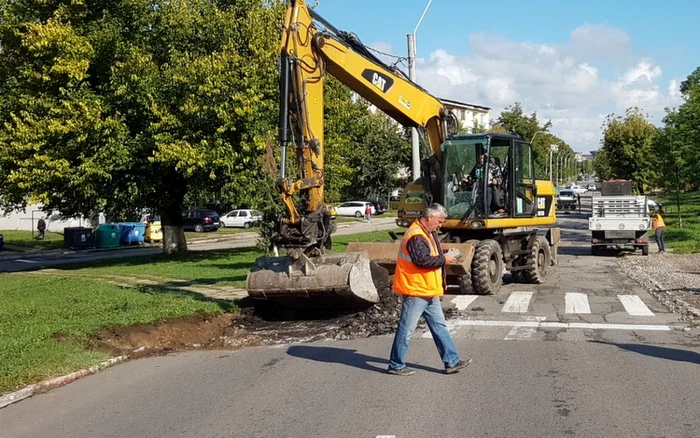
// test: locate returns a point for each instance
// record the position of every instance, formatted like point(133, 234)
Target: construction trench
point(247, 328)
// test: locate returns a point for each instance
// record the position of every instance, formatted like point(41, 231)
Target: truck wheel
point(645, 250)
point(538, 262)
point(594, 250)
point(487, 267)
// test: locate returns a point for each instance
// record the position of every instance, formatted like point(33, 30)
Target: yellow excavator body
point(308, 275)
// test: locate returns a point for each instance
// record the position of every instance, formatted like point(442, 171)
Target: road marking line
point(26, 261)
point(453, 324)
point(517, 302)
point(577, 303)
point(519, 333)
point(463, 301)
point(634, 305)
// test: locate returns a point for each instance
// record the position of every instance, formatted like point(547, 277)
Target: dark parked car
point(379, 207)
point(200, 220)
point(2, 241)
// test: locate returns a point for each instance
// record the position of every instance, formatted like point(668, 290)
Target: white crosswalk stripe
point(634, 305)
point(577, 303)
point(518, 302)
point(464, 301)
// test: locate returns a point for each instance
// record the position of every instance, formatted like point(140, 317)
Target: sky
point(573, 62)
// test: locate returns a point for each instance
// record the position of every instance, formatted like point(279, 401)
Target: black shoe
point(455, 369)
point(401, 372)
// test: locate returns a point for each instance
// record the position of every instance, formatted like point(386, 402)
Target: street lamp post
point(552, 148)
point(560, 159)
point(415, 148)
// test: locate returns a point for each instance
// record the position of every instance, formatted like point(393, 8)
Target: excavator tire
point(538, 262)
point(487, 267)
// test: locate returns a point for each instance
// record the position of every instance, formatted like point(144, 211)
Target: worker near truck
point(420, 279)
point(659, 226)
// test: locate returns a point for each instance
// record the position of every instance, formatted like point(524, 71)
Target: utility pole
point(415, 147)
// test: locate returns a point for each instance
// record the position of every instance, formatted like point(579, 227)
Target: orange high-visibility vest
point(657, 221)
point(412, 280)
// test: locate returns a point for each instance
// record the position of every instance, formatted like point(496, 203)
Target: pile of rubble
point(673, 279)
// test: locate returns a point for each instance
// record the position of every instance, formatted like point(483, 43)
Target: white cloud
point(574, 84)
point(598, 41)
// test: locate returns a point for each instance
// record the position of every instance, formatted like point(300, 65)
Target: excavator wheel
point(465, 284)
point(487, 267)
point(538, 262)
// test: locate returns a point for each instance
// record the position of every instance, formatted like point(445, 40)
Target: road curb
point(56, 382)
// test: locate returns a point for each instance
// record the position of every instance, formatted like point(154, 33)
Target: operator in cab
point(494, 195)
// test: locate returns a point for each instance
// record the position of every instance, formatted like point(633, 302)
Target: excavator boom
point(310, 49)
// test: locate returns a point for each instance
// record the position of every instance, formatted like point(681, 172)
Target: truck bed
point(619, 213)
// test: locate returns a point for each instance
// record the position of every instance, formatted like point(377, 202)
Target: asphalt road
point(39, 260)
point(588, 354)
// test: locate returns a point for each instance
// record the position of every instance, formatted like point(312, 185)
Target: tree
point(627, 147)
point(343, 120)
point(134, 104)
point(513, 120)
point(601, 165)
point(380, 153)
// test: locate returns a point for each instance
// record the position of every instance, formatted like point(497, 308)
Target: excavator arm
point(311, 48)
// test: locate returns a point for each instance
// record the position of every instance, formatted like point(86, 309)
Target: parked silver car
point(241, 218)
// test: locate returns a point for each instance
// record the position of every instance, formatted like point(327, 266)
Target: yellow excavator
point(485, 181)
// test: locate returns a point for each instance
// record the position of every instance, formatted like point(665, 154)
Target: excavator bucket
point(384, 254)
point(331, 280)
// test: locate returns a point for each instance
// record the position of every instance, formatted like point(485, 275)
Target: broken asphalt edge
point(48, 384)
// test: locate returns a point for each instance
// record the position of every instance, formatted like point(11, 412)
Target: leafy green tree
point(380, 153)
point(344, 126)
point(601, 165)
point(627, 145)
point(134, 104)
point(514, 121)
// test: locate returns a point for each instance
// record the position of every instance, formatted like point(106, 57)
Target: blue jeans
point(411, 311)
point(660, 238)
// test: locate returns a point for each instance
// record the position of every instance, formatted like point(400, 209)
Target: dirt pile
point(247, 328)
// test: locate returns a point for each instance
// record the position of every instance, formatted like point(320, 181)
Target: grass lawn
point(33, 308)
point(687, 239)
point(24, 239)
point(223, 267)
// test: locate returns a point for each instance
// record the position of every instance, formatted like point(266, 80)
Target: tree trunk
point(174, 240)
point(173, 235)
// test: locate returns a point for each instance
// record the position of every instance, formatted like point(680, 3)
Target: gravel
point(672, 278)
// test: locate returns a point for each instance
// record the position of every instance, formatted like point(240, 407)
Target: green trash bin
point(107, 236)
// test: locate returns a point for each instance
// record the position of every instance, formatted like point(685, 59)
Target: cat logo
point(379, 80)
point(414, 198)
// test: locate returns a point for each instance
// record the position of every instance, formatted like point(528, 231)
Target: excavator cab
point(488, 176)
